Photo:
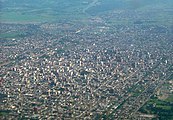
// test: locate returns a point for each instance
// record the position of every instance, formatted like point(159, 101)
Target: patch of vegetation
point(10, 35)
point(2, 96)
point(162, 108)
point(45, 56)
point(170, 99)
point(4, 112)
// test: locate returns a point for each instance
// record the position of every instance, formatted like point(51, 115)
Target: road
point(93, 3)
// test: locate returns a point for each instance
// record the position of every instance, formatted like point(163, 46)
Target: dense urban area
point(90, 69)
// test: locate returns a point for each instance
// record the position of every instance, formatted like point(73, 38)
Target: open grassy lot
point(162, 108)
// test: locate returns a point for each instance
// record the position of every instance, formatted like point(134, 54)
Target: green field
point(161, 107)
point(11, 35)
point(170, 99)
point(17, 17)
